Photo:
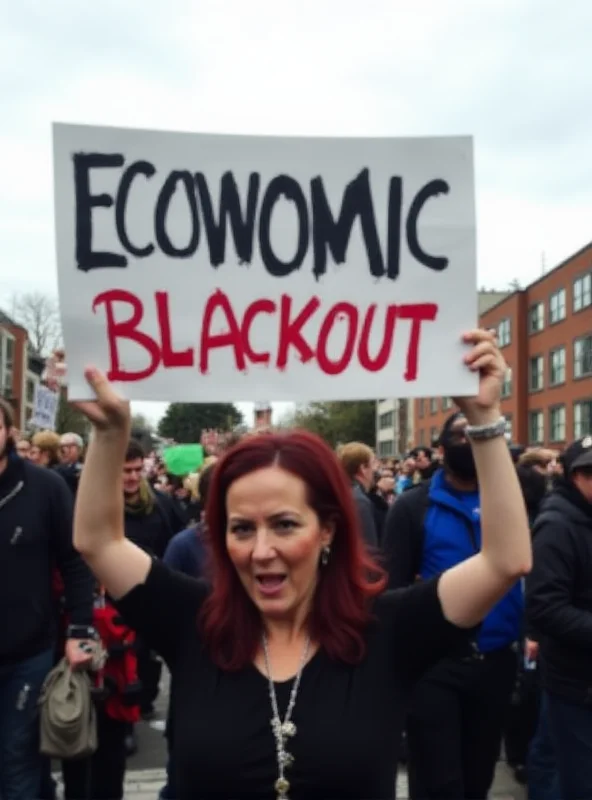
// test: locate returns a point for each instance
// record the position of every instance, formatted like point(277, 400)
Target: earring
point(325, 553)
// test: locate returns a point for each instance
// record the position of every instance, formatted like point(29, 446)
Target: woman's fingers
point(479, 335)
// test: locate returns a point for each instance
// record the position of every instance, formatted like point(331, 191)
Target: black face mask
point(459, 460)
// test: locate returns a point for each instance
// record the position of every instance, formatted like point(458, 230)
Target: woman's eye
point(286, 525)
point(241, 530)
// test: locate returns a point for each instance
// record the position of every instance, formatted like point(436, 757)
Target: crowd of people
point(376, 611)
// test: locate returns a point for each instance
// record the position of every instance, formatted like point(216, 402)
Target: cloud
point(511, 72)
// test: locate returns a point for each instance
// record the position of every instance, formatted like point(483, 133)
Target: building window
point(557, 366)
point(6, 364)
point(386, 448)
point(446, 403)
point(434, 435)
point(582, 418)
point(582, 292)
point(386, 420)
point(433, 405)
point(420, 407)
point(504, 333)
point(509, 427)
point(536, 427)
point(421, 437)
point(507, 384)
point(557, 306)
point(557, 424)
point(536, 318)
point(30, 390)
point(536, 370)
point(583, 356)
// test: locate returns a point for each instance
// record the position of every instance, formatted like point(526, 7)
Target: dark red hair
point(230, 622)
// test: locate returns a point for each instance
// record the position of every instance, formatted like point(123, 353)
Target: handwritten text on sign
point(202, 267)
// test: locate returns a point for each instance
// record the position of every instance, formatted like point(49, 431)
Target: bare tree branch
point(39, 314)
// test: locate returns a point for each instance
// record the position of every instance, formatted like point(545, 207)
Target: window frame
point(582, 402)
point(581, 278)
point(540, 415)
point(552, 409)
point(554, 294)
point(559, 349)
point(540, 358)
point(576, 341)
point(538, 305)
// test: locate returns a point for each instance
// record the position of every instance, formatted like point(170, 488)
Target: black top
point(559, 593)
point(349, 719)
point(35, 536)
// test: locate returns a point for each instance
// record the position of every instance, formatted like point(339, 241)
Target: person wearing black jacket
point(559, 609)
point(35, 535)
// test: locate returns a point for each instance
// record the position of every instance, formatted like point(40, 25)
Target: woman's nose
point(263, 549)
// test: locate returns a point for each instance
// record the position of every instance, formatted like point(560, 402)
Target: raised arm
point(469, 590)
point(99, 534)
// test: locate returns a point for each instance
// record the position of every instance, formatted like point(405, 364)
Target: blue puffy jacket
point(452, 533)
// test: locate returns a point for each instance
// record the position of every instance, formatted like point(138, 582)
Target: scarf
point(144, 505)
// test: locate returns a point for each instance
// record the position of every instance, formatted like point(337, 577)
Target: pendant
point(287, 759)
point(288, 729)
point(282, 786)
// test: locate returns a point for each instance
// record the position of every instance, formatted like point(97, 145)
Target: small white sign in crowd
point(216, 268)
point(45, 408)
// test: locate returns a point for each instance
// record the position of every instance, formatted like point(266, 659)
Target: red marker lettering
point(128, 329)
point(349, 311)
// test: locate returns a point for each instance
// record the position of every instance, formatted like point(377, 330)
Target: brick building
point(545, 332)
point(20, 369)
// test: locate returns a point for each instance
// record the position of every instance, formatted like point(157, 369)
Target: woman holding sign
point(292, 669)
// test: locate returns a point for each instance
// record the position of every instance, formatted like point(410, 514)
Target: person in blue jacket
point(186, 552)
point(458, 709)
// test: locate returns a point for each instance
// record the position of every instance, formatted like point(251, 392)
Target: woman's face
point(34, 454)
point(274, 539)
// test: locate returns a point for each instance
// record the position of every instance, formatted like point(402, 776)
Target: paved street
point(146, 769)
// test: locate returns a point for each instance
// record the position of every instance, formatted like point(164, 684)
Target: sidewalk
point(145, 784)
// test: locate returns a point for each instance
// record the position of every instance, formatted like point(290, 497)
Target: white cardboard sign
point(221, 268)
point(45, 408)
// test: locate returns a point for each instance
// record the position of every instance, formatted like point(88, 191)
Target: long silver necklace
point(282, 731)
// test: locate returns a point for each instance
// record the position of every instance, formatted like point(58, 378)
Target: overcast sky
point(513, 73)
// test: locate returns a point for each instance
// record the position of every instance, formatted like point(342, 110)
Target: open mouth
point(271, 582)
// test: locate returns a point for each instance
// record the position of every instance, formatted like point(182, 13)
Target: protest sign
point(221, 268)
point(45, 408)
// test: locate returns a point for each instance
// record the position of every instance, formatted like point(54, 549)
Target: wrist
point(485, 416)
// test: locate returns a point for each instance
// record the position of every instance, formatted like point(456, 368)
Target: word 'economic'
point(317, 227)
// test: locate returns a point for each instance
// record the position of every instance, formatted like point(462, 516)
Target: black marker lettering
point(86, 257)
point(431, 189)
point(165, 196)
point(290, 189)
point(137, 168)
point(335, 234)
point(242, 227)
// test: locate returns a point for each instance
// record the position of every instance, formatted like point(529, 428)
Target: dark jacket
point(432, 528)
point(153, 531)
point(35, 536)
point(186, 552)
point(380, 509)
point(366, 515)
point(559, 593)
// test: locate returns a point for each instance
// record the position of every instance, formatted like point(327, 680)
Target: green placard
point(181, 459)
